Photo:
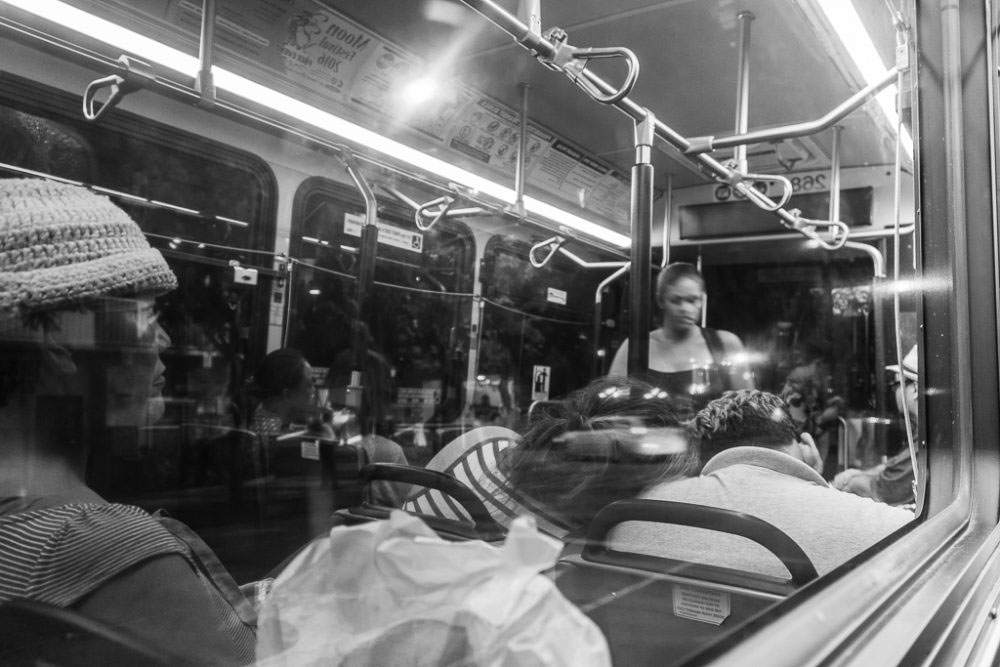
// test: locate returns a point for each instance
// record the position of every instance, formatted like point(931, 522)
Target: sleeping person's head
point(605, 442)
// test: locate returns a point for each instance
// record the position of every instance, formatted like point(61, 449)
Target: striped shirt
point(59, 555)
point(473, 460)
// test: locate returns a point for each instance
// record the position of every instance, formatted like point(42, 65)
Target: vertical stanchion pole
point(366, 278)
point(598, 369)
point(204, 83)
point(835, 174)
point(641, 215)
point(522, 153)
point(743, 89)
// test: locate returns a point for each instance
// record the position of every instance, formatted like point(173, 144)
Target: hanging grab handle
point(744, 184)
point(839, 232)
point(423, 211)
point(581, 60)
point(573, 62)
point(137, 74)
point(554, 244)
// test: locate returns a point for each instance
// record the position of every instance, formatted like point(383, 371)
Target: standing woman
point(692, 363)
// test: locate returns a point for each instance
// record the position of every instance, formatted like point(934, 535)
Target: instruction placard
point(702, 605)
point(397, 237)
point(553, 295)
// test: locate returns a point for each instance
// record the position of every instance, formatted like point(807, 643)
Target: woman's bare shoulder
point(730, 341)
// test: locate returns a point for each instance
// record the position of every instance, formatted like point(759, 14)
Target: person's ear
point(810, 453)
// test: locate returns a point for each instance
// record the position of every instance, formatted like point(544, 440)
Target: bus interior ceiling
point(475, 301)
point(688, 54)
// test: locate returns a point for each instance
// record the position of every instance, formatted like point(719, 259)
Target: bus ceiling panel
point(688, 57)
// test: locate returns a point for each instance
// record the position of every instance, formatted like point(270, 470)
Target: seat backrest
point(473, 460)
point(308, 457)
point(479, 525)
point(650, 607)
point(33, 633)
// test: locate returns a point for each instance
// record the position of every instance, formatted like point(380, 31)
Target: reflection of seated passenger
point(892, 481)
point(283, 387)
point(810, 401)
point(761, 466)
point(371, 425)
point(79, 351)
point(589, 450)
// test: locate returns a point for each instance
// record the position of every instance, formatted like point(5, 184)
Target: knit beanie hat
point(61, 245)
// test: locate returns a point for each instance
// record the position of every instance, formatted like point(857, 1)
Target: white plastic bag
point(393, 593)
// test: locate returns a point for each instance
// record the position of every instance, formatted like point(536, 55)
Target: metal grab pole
point(599, 313)
point(522, 153)
point(204, 84)
point(641, 216)
point(366, 278)
point(743, 88)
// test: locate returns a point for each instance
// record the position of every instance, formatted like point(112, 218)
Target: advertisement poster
point(304, 49)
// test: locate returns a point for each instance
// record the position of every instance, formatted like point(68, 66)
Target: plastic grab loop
point(554, 244)
point(573, 63)
point(424, 211)
point(137, 74)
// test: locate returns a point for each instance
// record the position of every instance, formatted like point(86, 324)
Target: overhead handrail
point(590, 265)
point(553, 244)
point(136, 74)
point(698, 145)
point(545, 51)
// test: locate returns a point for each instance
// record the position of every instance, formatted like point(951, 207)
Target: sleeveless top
point(60, 554)
point(694, 388)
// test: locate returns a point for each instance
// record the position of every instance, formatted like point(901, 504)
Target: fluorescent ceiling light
point(855, 37)
point(148, 49)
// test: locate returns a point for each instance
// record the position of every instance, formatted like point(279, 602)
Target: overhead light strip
point(151, 50)
point(857, 41)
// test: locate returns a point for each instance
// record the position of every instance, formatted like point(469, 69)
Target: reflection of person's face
point(135, 383)
point(301, 395)
point(906, 395)
point(681, 304)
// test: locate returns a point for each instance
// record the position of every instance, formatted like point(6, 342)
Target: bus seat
point(651, 608)
point(473, 460)
point(34, 633)
point(478, 523)
point(309, 460)
point(446, 457)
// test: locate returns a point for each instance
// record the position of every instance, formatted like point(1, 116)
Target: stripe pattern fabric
point(477, 467)
point(58, 555)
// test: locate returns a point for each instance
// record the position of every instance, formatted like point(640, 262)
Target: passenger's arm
point(163, 601)
point(619, 364)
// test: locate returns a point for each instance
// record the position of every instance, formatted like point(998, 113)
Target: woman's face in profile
point(681, 303)
point(135, 382)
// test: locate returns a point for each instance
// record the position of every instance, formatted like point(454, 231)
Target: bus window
point(537, 336)
point(418, 317)
point(205, 207)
